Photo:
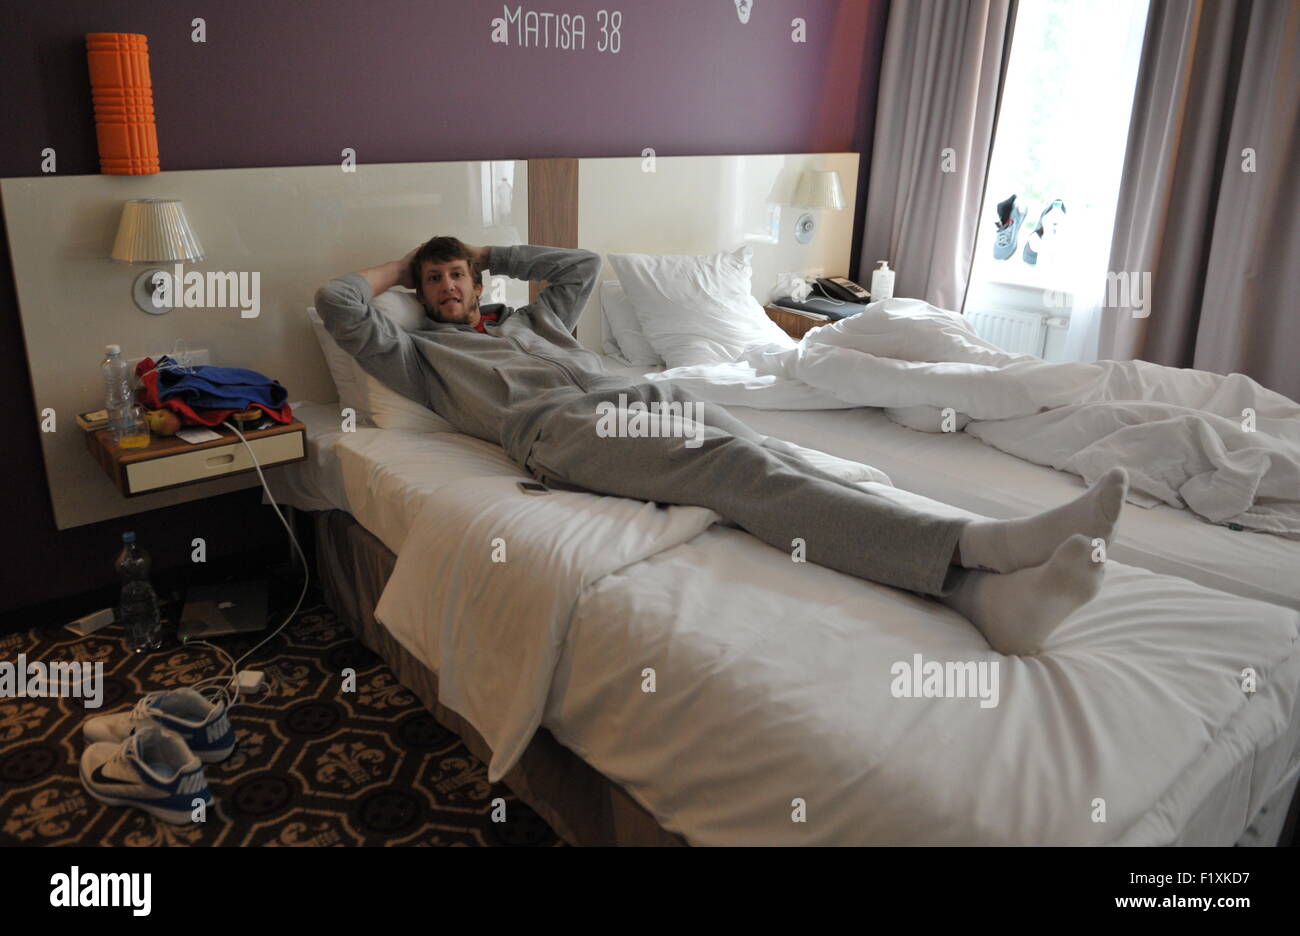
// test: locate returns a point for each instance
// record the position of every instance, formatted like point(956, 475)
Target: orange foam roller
point(122, 93)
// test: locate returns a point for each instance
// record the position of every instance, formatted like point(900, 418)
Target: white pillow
point(372, 400)
point(402, 308)
point(622, 335)
point(697, 309)
point(342, 367)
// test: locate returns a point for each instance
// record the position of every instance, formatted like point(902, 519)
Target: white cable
point(306, 578)
point(827, 297)
point(202, 686)
point(180, 360)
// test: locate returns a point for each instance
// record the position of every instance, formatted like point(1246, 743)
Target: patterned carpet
point(313, 765)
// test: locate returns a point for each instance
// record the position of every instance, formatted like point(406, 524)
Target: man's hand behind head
point(404, 278)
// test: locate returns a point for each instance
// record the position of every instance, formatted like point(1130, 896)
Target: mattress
point(776, 693)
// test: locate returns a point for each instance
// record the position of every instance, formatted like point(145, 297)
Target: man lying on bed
point(518, 378)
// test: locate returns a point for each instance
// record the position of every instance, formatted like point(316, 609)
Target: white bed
point(775, 687)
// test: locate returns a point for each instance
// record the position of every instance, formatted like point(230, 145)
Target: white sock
point(1017, 612)
point(1008, 545)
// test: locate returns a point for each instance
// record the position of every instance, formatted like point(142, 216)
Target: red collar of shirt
point(485, 317)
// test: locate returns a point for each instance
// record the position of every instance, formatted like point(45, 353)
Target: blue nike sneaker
point(1010, 217)
point(202, 724)
point(152, 770)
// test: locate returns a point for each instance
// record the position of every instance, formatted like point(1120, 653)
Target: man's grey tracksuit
point(528, 386)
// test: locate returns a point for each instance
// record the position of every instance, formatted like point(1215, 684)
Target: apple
point(162, 422)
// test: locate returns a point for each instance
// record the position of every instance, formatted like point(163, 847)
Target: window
point(497, 181)
point(1061, 135)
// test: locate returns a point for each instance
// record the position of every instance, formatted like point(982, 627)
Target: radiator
point(1017, 332)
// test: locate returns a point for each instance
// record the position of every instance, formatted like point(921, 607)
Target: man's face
point(449, 291)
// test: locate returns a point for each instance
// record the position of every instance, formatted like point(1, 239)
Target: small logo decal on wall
point(530, 29)
point(743, 9)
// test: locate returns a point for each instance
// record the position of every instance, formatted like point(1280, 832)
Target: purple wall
point(290, 82)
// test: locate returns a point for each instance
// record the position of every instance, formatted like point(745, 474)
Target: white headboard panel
point(296, 227)
point(708, 204)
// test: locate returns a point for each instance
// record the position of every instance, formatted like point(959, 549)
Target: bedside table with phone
point(829, 300)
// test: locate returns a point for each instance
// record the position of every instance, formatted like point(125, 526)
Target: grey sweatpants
point(775, 496)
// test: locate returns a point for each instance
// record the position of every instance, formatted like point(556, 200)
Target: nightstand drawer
point(187, 467)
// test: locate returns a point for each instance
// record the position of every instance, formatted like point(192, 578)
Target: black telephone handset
point(841, 289)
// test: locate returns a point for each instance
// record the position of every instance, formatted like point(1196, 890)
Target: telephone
point(830, 299)
point(841, 289)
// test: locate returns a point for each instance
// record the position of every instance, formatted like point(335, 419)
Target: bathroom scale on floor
point(227, 608)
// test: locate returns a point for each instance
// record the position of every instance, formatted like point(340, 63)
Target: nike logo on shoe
point(99, 776)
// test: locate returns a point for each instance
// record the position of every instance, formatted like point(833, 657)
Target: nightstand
point(793, 323)
point(169, 462)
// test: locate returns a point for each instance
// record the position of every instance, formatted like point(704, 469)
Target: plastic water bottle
point(117, 390)
point(138, 608)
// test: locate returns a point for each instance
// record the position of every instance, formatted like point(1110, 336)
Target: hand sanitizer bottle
point(882, 282)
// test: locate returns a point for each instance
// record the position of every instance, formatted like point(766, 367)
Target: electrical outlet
point(783, 281)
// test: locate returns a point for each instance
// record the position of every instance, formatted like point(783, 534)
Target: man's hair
point(442, 249)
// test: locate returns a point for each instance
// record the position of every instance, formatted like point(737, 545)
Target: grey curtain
point(940, 86)
point(1218, 95)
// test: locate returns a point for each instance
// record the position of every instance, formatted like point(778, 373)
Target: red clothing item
point(485, 317)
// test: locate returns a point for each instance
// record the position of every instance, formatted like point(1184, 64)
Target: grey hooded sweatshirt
point(494, 386)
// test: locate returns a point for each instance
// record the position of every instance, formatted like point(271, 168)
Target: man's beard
point(468, 307)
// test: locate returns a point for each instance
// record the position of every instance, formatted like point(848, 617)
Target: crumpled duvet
point(1223, 446)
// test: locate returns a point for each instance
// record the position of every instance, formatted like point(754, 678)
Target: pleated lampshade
point(155, 230)
point(820, 188)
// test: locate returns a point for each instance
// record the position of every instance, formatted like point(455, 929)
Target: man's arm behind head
point(571, 276)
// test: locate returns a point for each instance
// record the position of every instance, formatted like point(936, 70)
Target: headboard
point(297, 227)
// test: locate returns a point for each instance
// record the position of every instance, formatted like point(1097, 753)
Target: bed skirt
point(577, 801)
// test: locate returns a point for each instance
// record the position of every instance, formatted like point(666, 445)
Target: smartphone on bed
point(533, 487)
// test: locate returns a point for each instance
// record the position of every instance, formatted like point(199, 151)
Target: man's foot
point(1016, 613)
point(1010, 545)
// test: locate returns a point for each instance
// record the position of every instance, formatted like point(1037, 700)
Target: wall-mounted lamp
point(154, 230)
point(817, 188)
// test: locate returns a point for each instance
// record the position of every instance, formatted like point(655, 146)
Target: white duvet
point(1225, 447)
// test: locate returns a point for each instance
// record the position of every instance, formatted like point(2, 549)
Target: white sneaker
point(151, 770)
point(202, 724)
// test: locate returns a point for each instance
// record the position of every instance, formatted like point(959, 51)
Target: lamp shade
point(819, 188)
point(155, 230)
